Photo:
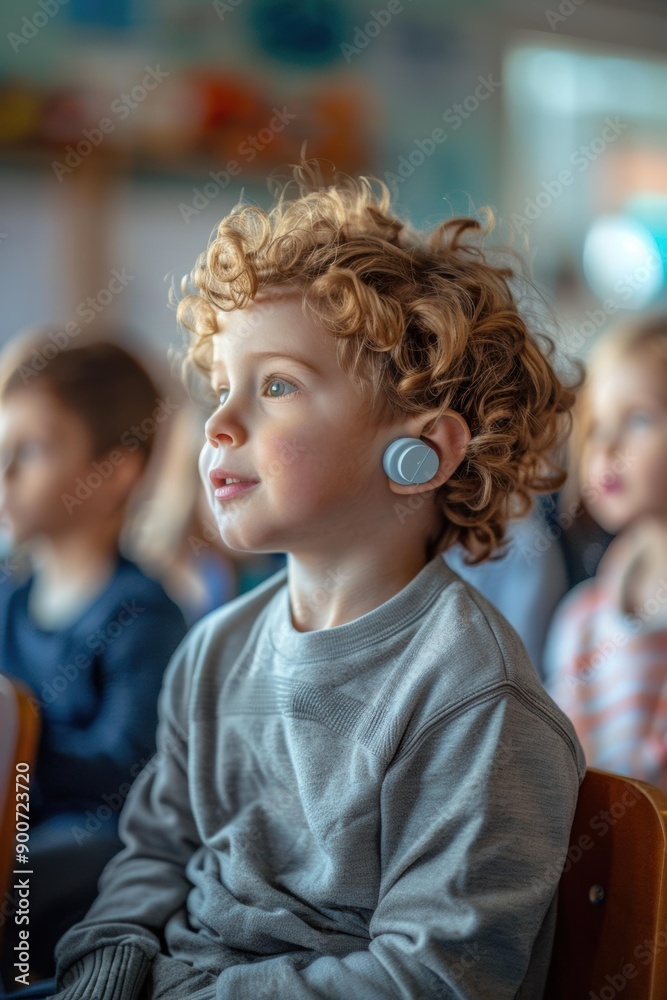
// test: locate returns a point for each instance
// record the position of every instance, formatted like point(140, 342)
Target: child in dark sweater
point(361, 788)
point(85, 628)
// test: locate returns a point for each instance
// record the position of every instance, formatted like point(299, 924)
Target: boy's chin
point(613, 524)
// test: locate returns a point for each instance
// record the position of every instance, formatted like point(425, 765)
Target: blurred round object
point(305, 31)
point(622, 261)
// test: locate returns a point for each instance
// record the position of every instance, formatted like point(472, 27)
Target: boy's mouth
point(227, 484)
point(232, 490)
point(613, 484)
point(223, 477)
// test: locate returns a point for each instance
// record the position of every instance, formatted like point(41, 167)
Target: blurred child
point(361, 789)
point(86, 630)
point(605, 659)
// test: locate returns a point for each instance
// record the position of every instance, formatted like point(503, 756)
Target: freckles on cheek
point(283, 453)
point(294, 467)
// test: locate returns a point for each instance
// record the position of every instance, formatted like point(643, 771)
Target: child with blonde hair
point(605, 660)
point(361, 788)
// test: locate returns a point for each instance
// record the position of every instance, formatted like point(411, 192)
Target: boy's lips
point(232, 490)
point(612, 485)
point(218, 477)
point(225, 491)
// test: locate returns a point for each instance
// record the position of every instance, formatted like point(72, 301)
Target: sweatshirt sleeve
point(111, 949)
point(468, 882)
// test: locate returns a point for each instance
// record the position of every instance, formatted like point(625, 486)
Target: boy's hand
point(634, 569)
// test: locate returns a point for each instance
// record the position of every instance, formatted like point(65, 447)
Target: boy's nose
point(611, 444)
point(222, 427)
point(6, 466)
point(213, 431)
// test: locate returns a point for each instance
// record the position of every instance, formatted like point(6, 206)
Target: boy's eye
point(30, 450)
point(639, 419)
point(26, 451)
point(269, 382)
point(275, 380)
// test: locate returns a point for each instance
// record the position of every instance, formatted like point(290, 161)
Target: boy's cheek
point(287, 453)
point(206, 463)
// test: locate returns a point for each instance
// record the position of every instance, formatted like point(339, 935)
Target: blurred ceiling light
point(622, 261)
point(558, 78)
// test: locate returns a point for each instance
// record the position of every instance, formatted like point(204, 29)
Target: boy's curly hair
point(423, 320)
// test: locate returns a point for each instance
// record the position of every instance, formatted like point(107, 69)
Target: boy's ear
point(449, 435)
point(125, 475)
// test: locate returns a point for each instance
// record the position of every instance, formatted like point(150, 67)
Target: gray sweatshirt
point(373, 811)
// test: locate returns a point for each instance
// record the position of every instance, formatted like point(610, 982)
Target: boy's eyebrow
point(257, 355)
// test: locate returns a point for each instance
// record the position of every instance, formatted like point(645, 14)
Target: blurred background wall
point(128, 128)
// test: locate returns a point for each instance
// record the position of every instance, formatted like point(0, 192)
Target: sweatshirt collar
point(391, 617)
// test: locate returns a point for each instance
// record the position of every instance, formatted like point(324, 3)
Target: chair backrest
point(611, 929)
point(19, 736)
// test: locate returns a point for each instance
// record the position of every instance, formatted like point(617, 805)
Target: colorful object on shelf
point(103, 13)
point(20, 113)
point(303, 31)
point(189, 122)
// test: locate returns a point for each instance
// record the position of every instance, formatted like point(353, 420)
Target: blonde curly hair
point(423, 321)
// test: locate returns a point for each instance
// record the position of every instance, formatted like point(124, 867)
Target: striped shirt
point(608, 672)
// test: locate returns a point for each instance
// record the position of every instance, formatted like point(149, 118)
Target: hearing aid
point(408, 461)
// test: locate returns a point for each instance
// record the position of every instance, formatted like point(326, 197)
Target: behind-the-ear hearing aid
point(408, 461)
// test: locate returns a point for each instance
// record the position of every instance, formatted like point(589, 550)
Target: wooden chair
point(611, 929)
point(19, 736)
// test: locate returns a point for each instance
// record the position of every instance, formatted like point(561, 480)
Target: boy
point(361, 789)
point(85, 628)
